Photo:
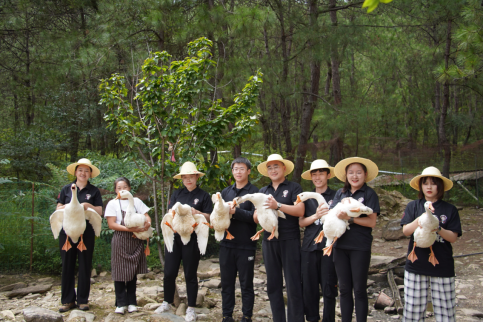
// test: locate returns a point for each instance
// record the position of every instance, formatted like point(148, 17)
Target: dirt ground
point(469, 278)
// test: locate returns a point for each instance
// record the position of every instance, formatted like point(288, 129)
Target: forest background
point(401, 85)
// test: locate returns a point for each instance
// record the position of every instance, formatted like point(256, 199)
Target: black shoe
point(67, 307)
point(228, 319)
point(246, 319)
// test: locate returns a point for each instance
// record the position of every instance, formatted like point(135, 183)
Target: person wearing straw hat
point(352, 251)
point(283, 253)
point(317, 270)
point(419, 274)
point(201, 203)
point(90, 197)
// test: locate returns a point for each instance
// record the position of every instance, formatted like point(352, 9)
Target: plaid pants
point(443, 297)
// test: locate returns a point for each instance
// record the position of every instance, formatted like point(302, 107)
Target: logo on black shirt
point(88, 196)
point(330, 202)
point(361, 200)
point(284, 194)
point(443, 218)
point(195, 201)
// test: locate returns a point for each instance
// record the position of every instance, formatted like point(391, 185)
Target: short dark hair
point(347, 184)
point(241, 160)
point(82, 165)
point(121, 179)
point(321, 170)
point(437, 181)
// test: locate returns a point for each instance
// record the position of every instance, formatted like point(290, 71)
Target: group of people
point(301, 266)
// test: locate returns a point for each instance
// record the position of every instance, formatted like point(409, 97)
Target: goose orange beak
point(298, 200)
point(173, 212)
point(234, 202)
point(431, 207)
point(118, 197)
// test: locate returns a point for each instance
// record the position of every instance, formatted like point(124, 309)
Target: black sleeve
point(454, 222)
point(297, 190)
point(207, 206)
point(373, 201)
point(337, 198)
point(409, 216)
point(98, 199)
point(173, 199)
point(61, 198)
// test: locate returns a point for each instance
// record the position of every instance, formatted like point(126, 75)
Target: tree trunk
point(441, 134)
point(455, 138)
point(327, 85)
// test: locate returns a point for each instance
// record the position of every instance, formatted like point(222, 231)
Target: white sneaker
point(120, 310)
point(132, 308)
point(190, 316)
point(164, 307)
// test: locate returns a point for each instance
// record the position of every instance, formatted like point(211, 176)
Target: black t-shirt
point(286, 194)
point(449, 219)
point(89, 194)
point(198, 199)
point(358, 237)
point(242, 225)
point(312, 230)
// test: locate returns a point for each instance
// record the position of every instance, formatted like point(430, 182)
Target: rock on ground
point(38, 314)
point(393, 231)
point(213, 283)
point(181, 310)
point(166, 317)
point(8, 315)
point(80, 316)
point(38, 289)
point(12, 287)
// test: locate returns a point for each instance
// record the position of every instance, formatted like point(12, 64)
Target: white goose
point(180, 220)
point(220, 217)
point(334, 227)
point(267, 217)
point(73, 220)
point(304, 196)
point(135, 220)
point(424, 236)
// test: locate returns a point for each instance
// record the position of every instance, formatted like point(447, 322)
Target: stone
point(395, 317)
point(397, 247)
point(38, 314)
point(202, 310)
point(151, 306)
point(399, 280)
point(10, 287)
point(93, 273)
point(215, 260)
point(204, 291)
point(468, 312)
point(103, 274)
point(38, 289)
point(45, 280)
point(461, 297)
point(142, 301)
point(262, 269)
point(213, 283)
point(112, 317)
point(182, 309)
point(153, 290)
point(258, 281)
point(386, 218)
point(369, 282)
point(78, 315)
point(32, 296)
point(200, 299)
point(389, 309)
point(8, 315)
point(93, 281)
point(393, 231)
point(209, 303)
point(401, 287)
point(166, 317)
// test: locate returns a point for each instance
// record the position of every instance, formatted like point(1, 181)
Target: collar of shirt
point(186, 191)
point(286, 182)
point(88, 186)
point(246, 187)
point(362, 189)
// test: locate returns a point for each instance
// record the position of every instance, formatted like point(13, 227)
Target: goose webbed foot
point(412, 256)
point(329, 249)
point(147, 249)
point(432, 258)
point(229, 236)
point(67, 245)
point(81, 246)
point(320, 237)
point(272, 233)
point(257, 235)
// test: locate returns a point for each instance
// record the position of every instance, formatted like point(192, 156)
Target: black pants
point(190, 254)
point(233, 261)
point(125, 293)
point(318, 271)
point(68, 292)
point(278, 256)
point(352, 270)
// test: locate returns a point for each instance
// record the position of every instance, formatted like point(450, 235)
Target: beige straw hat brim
point(188, 168)
point(431, 172)
point(71, 169)
point(371, 167)
point(262, 167)
point(317, 164)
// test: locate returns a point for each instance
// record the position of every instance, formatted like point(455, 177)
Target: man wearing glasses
point(238, 254)
point(283, 253)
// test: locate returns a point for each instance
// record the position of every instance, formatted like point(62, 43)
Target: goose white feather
point(220, 217)
point(267, 217)
point(304, 196)
point(73, 220)
point(425, 234)
point(334, 227)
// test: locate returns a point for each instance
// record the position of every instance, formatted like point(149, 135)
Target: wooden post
point(32, 228)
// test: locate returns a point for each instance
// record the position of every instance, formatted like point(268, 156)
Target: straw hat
point(433, 172)
point(317, 164)
point(371, 167)
point(262, 168)
point(188, 168)
point(71, 169)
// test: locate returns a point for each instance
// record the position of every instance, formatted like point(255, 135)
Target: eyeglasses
point(274, 167)
point(239, 169)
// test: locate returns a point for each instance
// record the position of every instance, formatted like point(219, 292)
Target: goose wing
point(56, 221)
point(95, 219)
point(168, 234)
point(202, 231)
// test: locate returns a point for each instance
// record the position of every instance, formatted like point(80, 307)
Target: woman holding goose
point(90, 198)
point(352, 251)
point(433, 226)
point(127, 251)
